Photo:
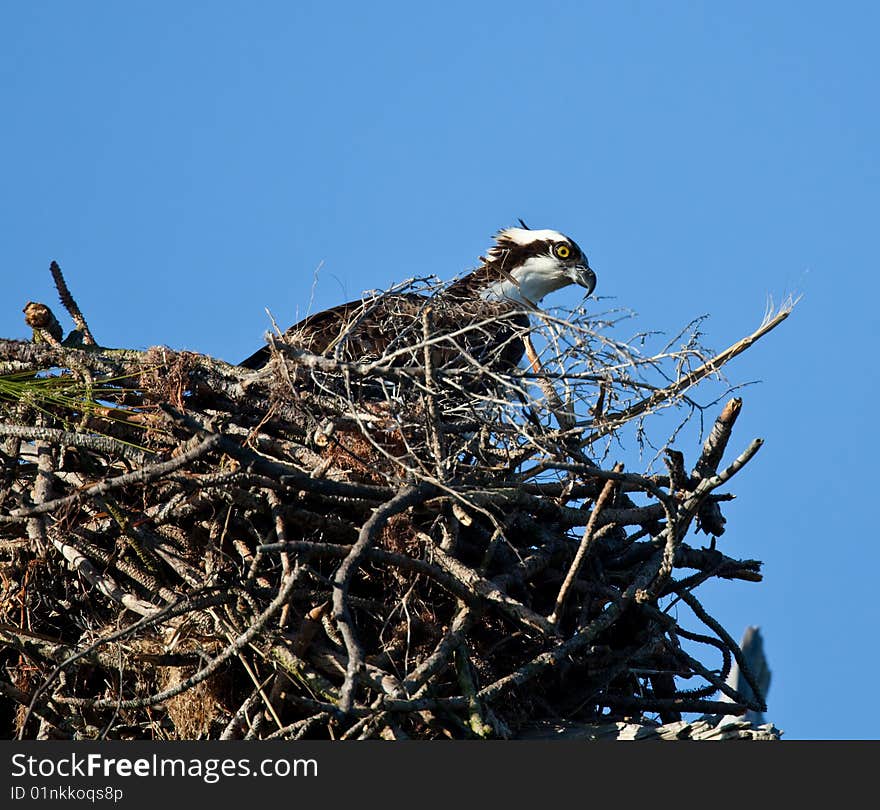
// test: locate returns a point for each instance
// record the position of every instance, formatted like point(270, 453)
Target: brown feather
point(368, 329)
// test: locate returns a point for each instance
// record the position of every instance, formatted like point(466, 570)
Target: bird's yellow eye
point(562, 251)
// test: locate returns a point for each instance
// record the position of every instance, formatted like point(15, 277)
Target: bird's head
point(528, 264)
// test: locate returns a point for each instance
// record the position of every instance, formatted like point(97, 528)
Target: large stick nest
point(395, 547)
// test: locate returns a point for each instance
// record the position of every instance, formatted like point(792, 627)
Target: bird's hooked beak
point(583, 276)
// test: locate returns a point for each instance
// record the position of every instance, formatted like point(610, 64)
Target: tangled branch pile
point(395, 547)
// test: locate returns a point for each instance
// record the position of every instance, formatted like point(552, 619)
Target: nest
point(327, 548)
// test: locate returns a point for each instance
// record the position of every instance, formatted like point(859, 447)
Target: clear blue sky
point(189, 164)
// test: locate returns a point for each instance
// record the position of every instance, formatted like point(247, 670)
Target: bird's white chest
point(528, 283)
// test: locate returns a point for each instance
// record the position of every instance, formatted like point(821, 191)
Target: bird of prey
point(479, 320)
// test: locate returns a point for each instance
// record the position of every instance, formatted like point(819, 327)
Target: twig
point(612, 420)
point(141, 476)
point(583, 548)
point(578, 641)
point(489, 591)
point(70, 305)
point(406, 497)
point(100, 444)
point(691, 601)
point(232, 650)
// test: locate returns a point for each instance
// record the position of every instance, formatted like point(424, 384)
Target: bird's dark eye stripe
point(510, 254)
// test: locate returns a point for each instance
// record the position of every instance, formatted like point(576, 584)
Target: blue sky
point(190, 164)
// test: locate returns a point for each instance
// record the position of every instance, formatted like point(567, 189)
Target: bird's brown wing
point(359, 330)
point(475, 333)
point(489, 333)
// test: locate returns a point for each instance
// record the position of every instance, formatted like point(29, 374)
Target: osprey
point(480, 319)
